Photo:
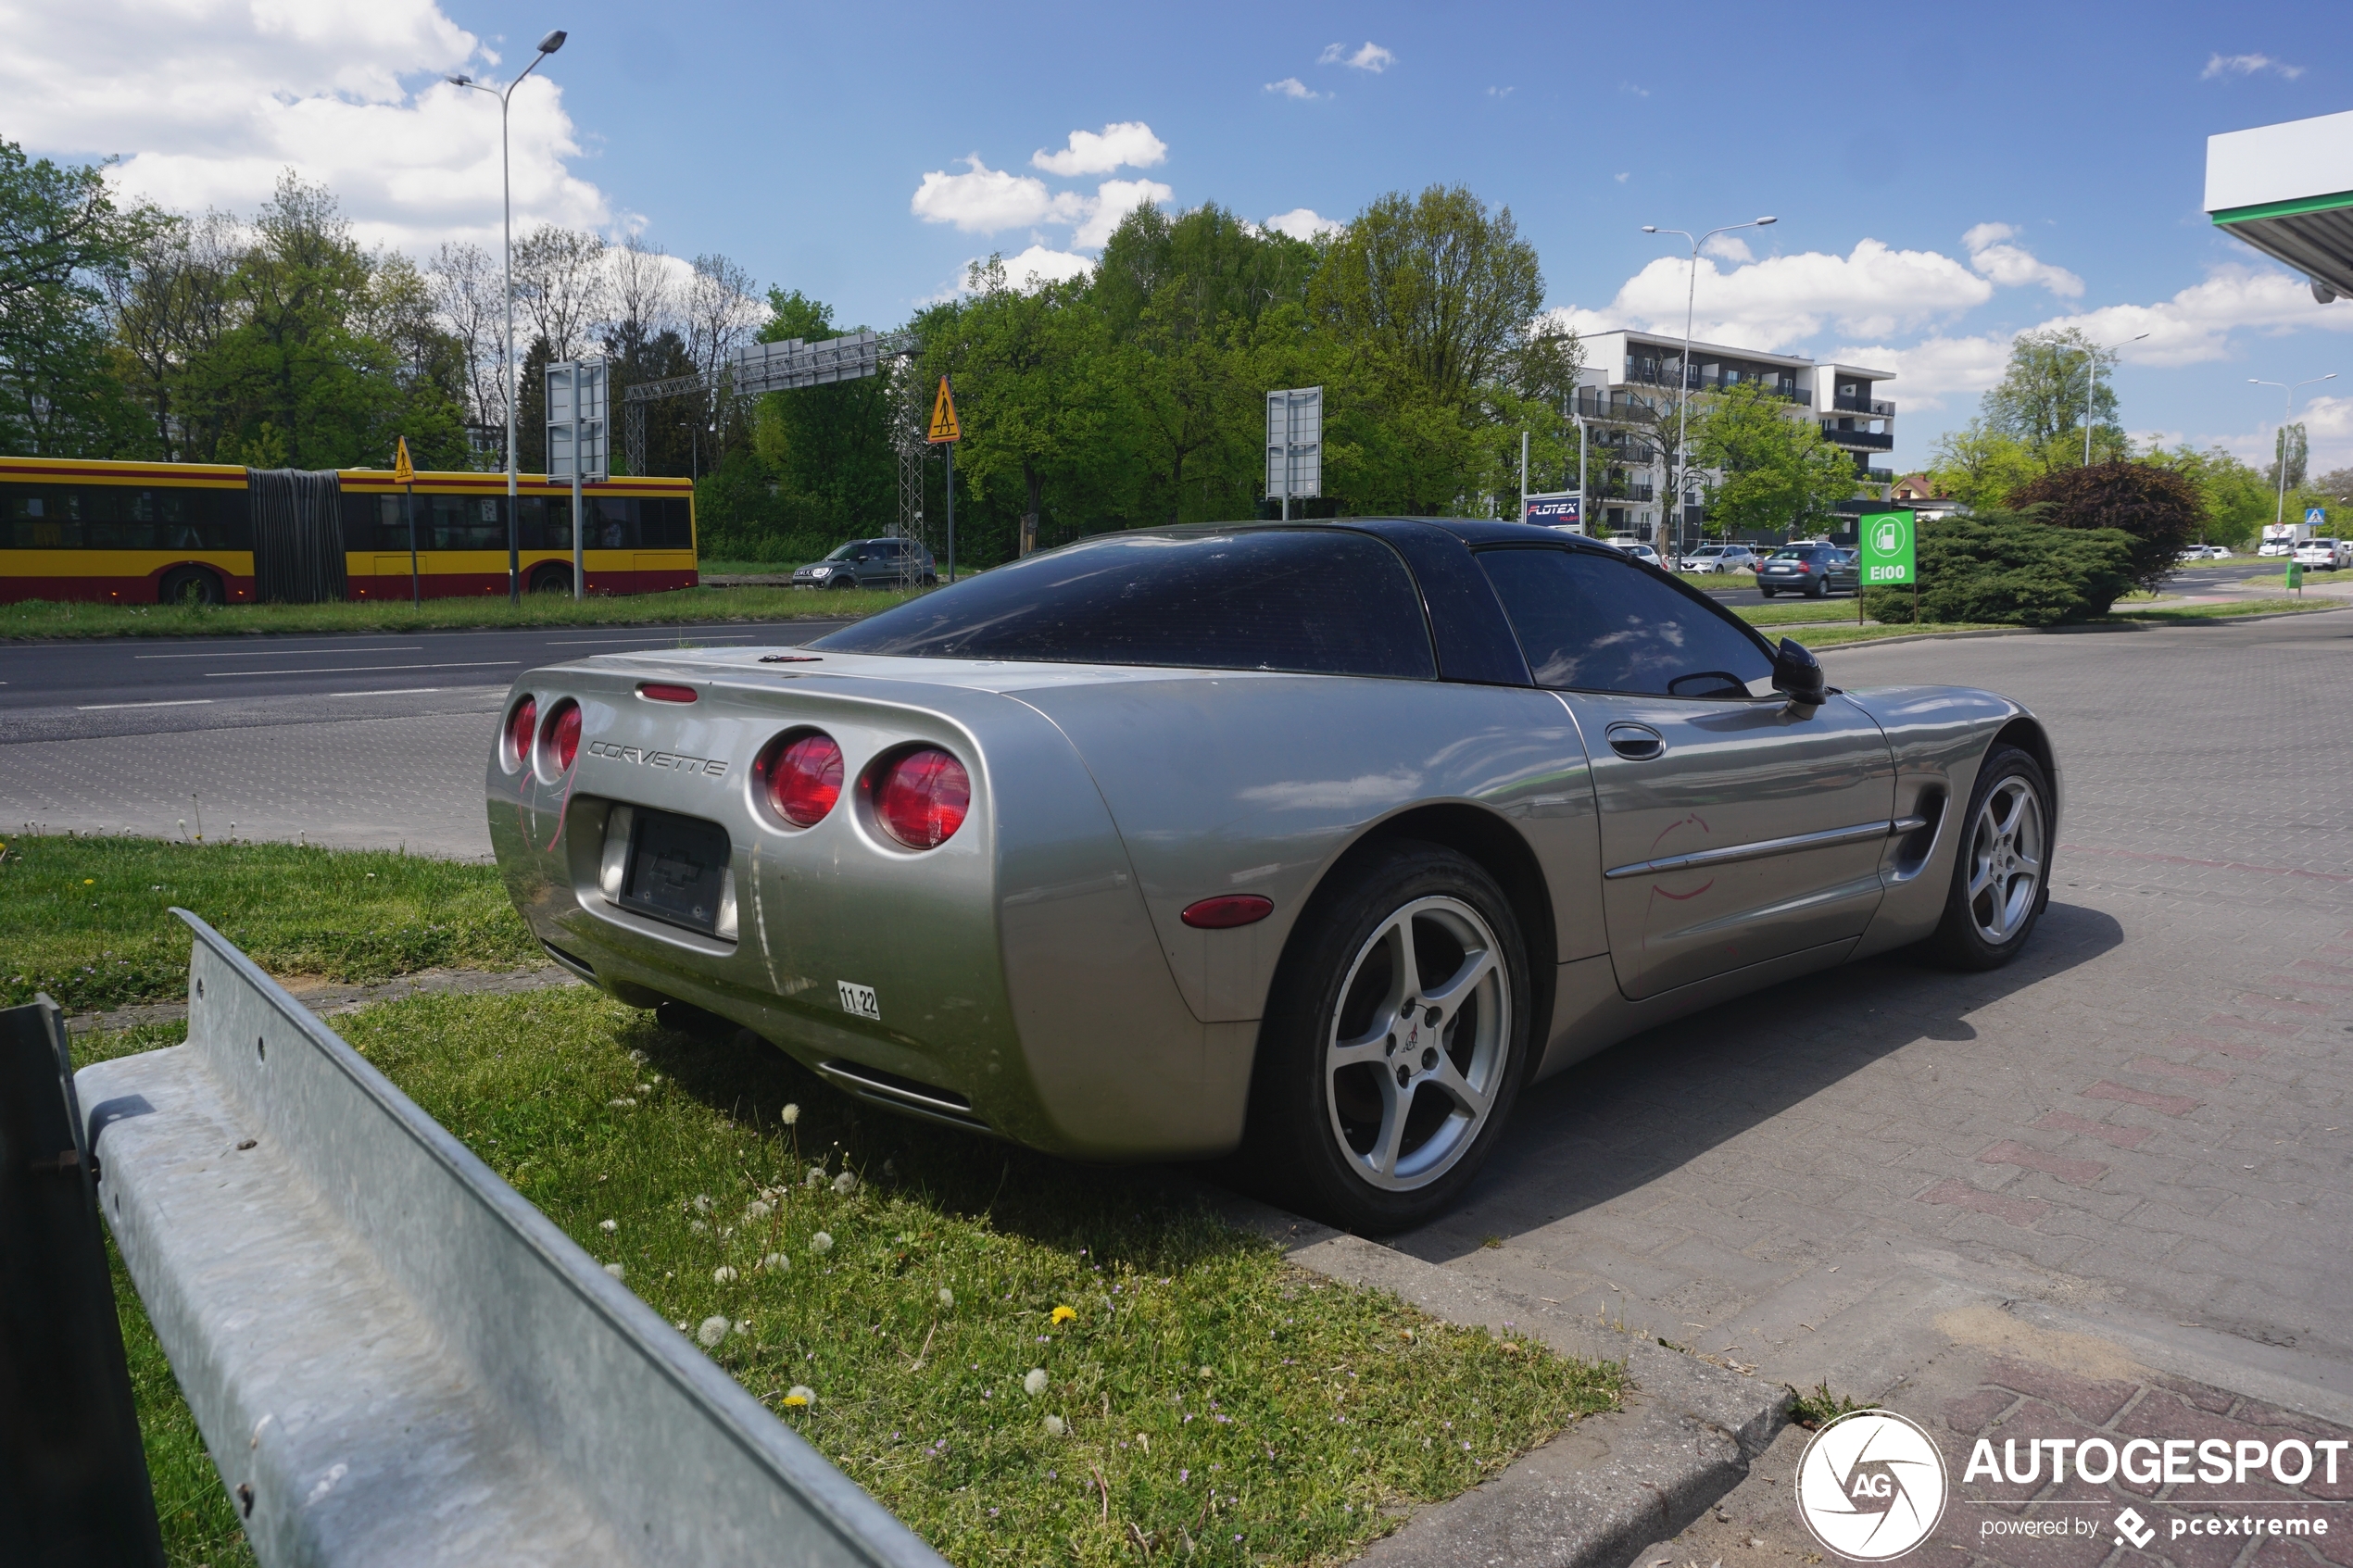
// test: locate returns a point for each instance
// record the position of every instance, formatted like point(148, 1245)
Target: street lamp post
point(1683, 372)
point(2092, 386)
point(548, 45)
point(2287, 412)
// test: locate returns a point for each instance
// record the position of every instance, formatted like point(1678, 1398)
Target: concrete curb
point(1601, 1491)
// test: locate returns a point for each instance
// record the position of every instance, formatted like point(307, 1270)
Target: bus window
point(612, 522)
point(665, 524)
point(45, 518)
point(463, 523)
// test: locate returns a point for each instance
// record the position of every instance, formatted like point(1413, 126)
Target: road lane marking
point(176, 702)
point(655, 637)
point(359, 669)
point(401, 691)
point(282, 653)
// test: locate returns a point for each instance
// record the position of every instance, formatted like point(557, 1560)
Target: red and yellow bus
point(161, 532)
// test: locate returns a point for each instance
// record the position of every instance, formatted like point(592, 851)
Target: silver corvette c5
point(1318, 842)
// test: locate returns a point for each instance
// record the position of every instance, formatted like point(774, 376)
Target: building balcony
point(1862, 406)
point(1878, 476)
point(1867, 440)
point(1652, 373)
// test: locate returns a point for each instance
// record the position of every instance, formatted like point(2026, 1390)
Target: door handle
point(1636, 743)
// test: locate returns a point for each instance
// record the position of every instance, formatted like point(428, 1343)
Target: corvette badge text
point(708, 766)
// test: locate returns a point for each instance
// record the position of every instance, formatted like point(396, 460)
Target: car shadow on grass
point(1651, 1104)
point(1147, 1216)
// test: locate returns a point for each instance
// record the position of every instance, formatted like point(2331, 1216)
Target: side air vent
point(904, 1094)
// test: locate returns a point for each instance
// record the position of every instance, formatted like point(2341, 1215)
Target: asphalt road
point(129, 687)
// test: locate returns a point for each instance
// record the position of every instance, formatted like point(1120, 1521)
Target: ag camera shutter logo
point(1871, 1485)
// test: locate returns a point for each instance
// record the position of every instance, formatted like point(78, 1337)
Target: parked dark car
point(1810, 570)
point(870, 563)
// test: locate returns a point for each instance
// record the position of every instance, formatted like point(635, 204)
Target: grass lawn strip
point(1027, 1360)
point(88, 919)
point(45, 619)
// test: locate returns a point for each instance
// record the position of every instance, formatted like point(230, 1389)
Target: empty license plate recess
point(677, 870)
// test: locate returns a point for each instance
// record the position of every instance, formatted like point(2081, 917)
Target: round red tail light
point(521, 724)
point(560, 741)
point(923, 796)
point(804, 779)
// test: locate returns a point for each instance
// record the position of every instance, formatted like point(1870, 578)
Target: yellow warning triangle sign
point(403, 470)
point(943, 417)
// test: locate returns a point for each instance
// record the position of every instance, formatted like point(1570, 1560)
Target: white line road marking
point(654, 637)
point(398, 691)
point(359, 669)
point(281, 653)
point(176, 702)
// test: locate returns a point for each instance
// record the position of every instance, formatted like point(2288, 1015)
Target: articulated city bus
point(162, 533)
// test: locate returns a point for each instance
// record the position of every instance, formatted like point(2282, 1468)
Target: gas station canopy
point(2287, 190)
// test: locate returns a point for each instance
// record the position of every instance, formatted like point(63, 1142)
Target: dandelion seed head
point(616, 1271)
point(1033, 1383)
point(821, 1244)
point(710, 1331)
point(608, 1226)
point(702, 1203)
point(790, 1115)
point(1054, 1426)
point(723, 1274)
point(847, 1183)
point(759, 1209)
point(815, 1178)
point(776, 1262)
point(946, 1297)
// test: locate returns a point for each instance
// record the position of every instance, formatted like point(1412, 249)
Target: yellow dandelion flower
point(1063, 1315)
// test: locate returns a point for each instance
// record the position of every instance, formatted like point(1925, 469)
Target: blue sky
point(1944, 176)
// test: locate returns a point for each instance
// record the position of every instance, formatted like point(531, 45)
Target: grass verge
point(1210, 1398)
point(2287, 605)
point(48, 619)
point(88, 921)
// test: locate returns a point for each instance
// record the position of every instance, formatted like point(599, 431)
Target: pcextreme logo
point(1871, 1485)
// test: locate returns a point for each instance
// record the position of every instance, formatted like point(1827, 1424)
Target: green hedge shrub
point(2010, 568)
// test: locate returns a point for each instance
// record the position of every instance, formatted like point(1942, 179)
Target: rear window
point(1320, 601)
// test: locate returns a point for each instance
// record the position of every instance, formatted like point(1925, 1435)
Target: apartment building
point(1628, 381)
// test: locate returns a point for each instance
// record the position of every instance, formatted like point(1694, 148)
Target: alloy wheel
point(2006, 856)
point(1418, 1046)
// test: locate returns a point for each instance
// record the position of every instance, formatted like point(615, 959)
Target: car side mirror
point(1799, 674)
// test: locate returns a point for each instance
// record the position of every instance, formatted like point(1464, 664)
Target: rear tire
point(190, 585)
point(1817, 590)
point(2001, 869)
point(1408, 966)
point(551, 580)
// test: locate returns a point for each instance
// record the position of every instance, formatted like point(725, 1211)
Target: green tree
point(2041, 398)
point(1979, 465)
point(2161, 511)
point(1778, 472)
point(61, 238)
point(2236, 500)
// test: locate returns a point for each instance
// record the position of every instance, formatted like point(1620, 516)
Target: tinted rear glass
point(1323, 601)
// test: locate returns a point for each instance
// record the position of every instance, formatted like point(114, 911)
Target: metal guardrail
point(391, 1355)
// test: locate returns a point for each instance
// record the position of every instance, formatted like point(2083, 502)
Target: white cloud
point(1501, 92)
point(1628, 87)
point(1872, 291)
point(983, 200)
point(1933, 369)
point(1113, 200)
point(209, 101)
point(1304, 224)
point(1291, 87)
point(1371, 57)
point(1127, 143)
point(2247, 65)
point(1039, 265)
point(1621, 179)
point(1728, 248)
point(2013, 265)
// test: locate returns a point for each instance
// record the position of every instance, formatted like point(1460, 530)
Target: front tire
point(2001, 874)
point(1396, 1040)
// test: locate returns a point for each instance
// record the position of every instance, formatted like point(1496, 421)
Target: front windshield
point(843, 552)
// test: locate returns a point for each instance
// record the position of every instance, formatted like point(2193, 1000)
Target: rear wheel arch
point(173, 582)
point(1486, 838)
